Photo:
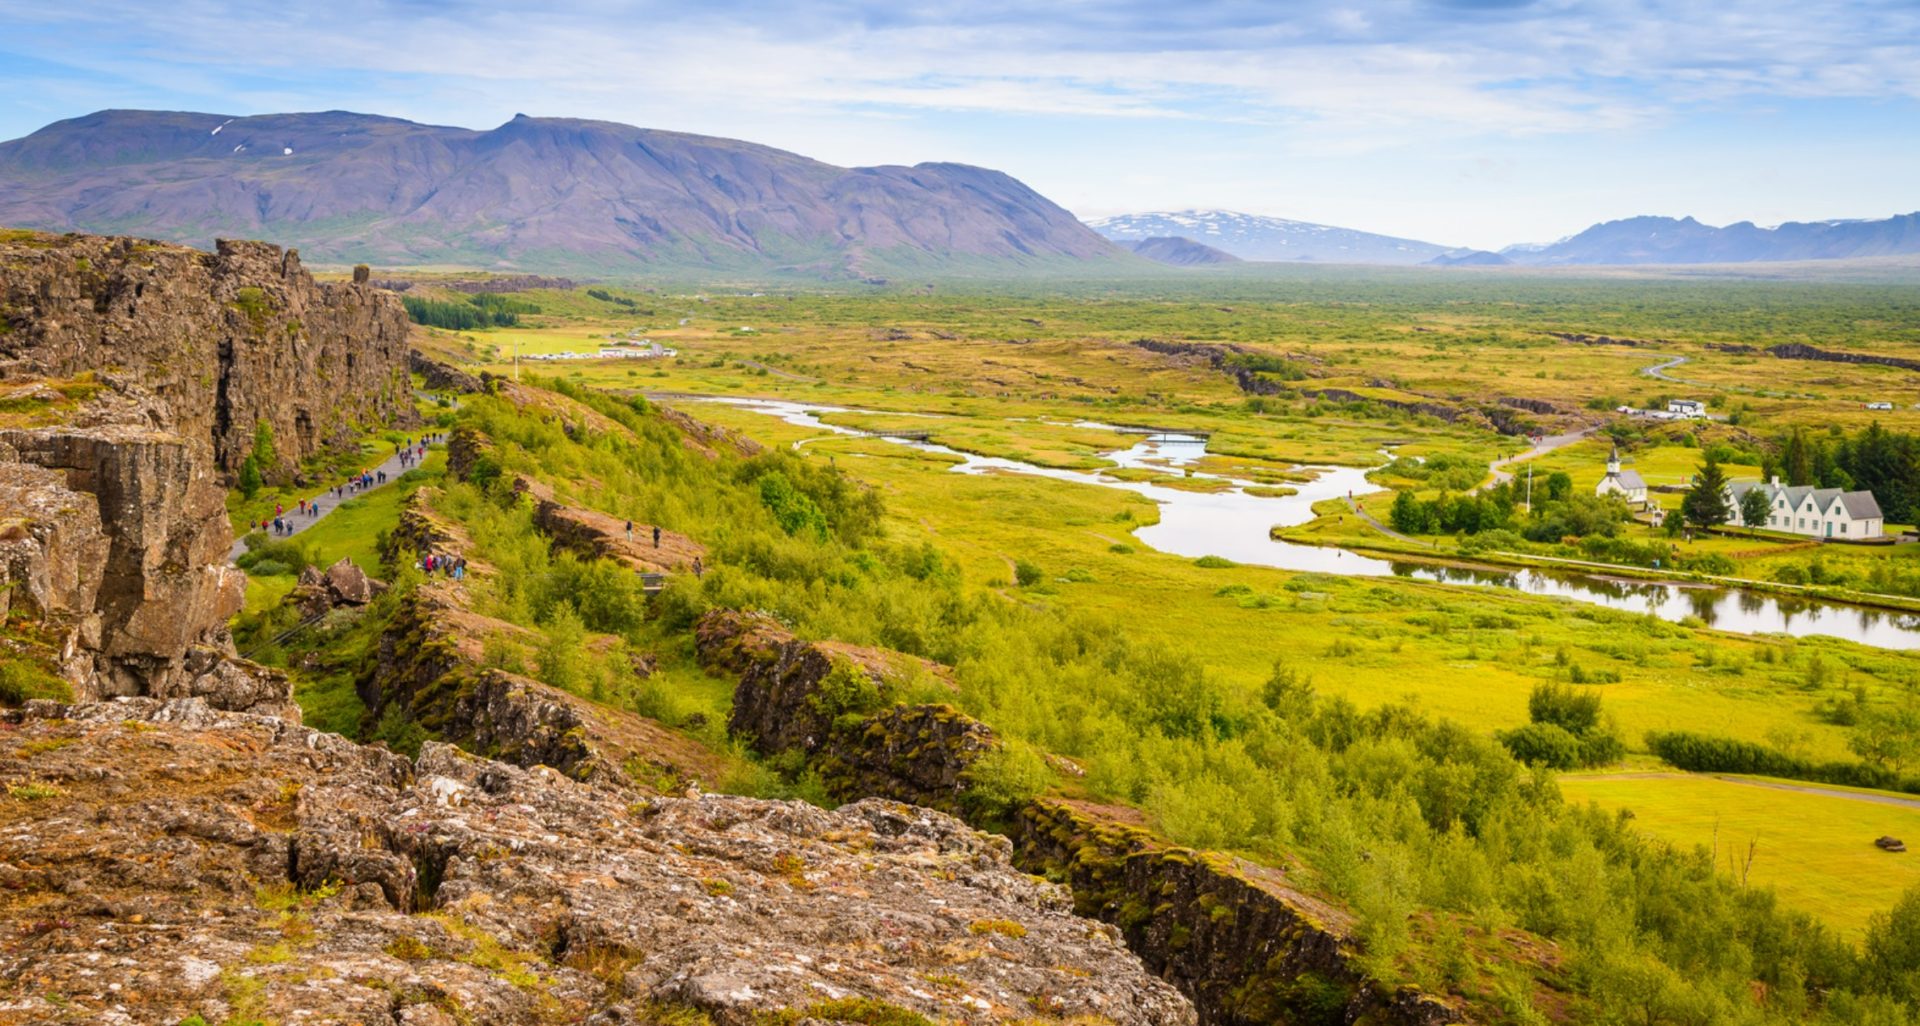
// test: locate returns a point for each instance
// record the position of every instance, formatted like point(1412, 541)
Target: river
point(1234, 525)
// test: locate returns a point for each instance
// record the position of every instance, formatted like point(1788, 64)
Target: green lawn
point(1815, 851)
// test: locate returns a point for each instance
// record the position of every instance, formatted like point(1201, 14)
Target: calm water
point(1234, 525)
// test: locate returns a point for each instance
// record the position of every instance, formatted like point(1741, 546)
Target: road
point(328, 504)
point(1546, 445)
point(1659, 370)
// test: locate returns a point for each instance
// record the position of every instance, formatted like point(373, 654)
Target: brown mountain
point(541, 193)
point(1179, 251)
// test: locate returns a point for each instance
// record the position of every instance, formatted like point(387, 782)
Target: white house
point(1624, 483)
point(1815, 512)
point(1692, 409)
point(1881, 405)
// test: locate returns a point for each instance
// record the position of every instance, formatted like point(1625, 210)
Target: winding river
point(1234, 525)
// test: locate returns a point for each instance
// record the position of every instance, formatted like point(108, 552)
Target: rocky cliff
point(1237, 938)
point(163, 861)
point(132, 377)
point(225, 341)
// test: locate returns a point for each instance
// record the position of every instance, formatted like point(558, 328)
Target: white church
point(1625, 483)
point(1816, 512)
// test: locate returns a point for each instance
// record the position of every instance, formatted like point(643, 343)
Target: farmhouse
point(1691, 409)
point(1816, 512)
point(1624, 483)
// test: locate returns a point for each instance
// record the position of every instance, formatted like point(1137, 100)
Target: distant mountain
point(1180, 252)
point(1469, 258)
point(1252, 237)
point(1664, 240)
point(536, 193)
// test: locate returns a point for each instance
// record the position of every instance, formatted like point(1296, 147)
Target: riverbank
point(1390, 545)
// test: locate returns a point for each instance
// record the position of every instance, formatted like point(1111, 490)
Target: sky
point(1462, 122)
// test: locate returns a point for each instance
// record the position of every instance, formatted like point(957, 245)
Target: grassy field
point(1815, 850)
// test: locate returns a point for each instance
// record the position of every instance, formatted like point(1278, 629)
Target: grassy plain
point(1815, 850)
point(1010, 372)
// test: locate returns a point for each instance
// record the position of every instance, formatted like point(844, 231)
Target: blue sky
point(1465, 122)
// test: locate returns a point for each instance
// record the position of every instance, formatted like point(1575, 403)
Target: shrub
point(1213, 562)
point(1007, 777)
point(250, 480)
point(1027, 574)
point(1543, 744)
point(1706, 753)
point(1571, 710)
point(846, 689)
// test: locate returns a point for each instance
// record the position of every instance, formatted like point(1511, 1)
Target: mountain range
point(1254, 237)
point(1666, 240)
point(596, 197)
point(549, 193)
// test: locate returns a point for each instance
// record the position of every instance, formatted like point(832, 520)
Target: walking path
point(1384, 529)
point(1824, 792)
point(328, 504)
point(1502, 475)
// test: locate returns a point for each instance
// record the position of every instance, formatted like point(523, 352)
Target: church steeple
point(1613, 462)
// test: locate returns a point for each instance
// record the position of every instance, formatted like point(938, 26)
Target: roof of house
point(1630, 480)
point(1860, 505)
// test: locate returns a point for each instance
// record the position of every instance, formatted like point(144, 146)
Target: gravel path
point(328, 504)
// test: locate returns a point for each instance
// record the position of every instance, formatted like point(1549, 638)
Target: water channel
point(1234, 525)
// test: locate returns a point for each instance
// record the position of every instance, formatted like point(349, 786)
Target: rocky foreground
point(165, 860)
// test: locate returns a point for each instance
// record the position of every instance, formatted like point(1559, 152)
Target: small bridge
point(1170, 436)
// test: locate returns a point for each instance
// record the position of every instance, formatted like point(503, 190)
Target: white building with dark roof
point(1815, 512)
point(1625, 483)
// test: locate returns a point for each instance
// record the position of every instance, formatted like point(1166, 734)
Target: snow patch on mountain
point(1257, 237)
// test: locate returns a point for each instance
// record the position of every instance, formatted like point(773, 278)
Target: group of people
point(453, 566)
point(413, 450)
point(282, 524)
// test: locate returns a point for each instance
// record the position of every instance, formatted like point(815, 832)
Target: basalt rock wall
point(1247, 947)
point(226, 340)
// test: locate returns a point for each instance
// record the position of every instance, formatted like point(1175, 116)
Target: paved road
point(1659, 370)
point(1546, 445)
point(328, 504)
point(1824, 792)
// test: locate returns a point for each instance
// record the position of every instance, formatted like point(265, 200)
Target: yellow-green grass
point(1353, 636)
point(352, 529)
point(265, 592)
point(1815, 850)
